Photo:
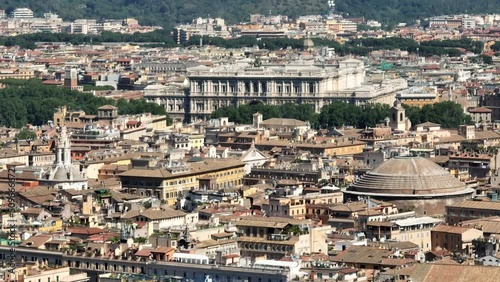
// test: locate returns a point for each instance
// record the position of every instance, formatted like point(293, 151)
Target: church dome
point(408, 176)
point(308, 43)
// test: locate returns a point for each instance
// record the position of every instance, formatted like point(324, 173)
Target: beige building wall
point(420, 237)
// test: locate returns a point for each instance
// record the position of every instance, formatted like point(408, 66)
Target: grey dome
point(408, 176)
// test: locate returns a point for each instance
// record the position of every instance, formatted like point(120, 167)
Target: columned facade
point(212, 88)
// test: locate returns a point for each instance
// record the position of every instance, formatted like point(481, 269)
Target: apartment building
point(469, 210)
point(416, 230)
point(418, 96)
point(454, 238)
point(276, 237)
point(297, 206)
point(167, 181)
point(22, 13)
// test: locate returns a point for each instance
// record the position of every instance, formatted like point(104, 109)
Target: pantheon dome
point(408, 176)
point(411, 181)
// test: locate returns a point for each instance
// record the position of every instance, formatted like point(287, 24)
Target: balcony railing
point(279, 237)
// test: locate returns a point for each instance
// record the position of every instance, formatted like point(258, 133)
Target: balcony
point(278, 237)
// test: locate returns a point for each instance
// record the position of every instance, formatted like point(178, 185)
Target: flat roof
point(417, 221)
point(276, 263)
point(190, 256)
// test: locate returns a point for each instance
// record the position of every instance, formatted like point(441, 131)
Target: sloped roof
point(107, 107)
point(427, 272)
point(154, 214)
point(283, 122)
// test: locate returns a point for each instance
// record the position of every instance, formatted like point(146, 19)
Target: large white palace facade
point(207, 89)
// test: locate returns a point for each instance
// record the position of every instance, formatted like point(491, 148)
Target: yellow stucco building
point(166, 183)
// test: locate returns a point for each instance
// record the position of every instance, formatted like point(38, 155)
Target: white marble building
point(208, 88)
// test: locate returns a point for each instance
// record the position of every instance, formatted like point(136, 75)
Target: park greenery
point(169, 12)
point(161, 38)
point(97, 88)
point(31, 102)
point(29, 41)
point(361, 47)
point(338, 114)
point(26, 134)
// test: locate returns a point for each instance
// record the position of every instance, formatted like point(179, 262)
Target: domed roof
point(308, 43)
point(408, 176)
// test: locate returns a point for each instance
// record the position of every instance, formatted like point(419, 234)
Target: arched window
point(400, 116)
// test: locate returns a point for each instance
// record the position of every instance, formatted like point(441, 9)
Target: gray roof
point(408, 176)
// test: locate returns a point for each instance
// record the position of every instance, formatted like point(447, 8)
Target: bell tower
point(398, 116)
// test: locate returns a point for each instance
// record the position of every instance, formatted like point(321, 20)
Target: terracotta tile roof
point(205, 166)
point(145, 252)
point(84, 230)
point(283, 122)
point(32, 211)
point(427, 272)
point(35, 241)
point(483, 205)
point(490, 225)
point(451, 229)
point(274, 222)
point(231, 256)
point(363, 255)
point(163, 250)
point(480, 110)
point(107, 107)
point(154, 214)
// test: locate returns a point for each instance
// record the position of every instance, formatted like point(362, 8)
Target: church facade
point(63, 175)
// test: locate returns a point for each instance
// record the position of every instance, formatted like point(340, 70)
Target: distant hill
point(168, 12)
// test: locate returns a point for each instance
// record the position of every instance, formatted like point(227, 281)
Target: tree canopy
point(30, 101)
point(165, 12)
point(243, 114)
point(448, 114)
point(161, 38)
point(26, 134)
point(28, 40)
point(361, 47)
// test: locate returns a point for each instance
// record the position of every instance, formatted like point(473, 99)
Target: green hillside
point(166, 12)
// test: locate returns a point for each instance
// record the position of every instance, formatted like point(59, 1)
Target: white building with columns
point(209, 88)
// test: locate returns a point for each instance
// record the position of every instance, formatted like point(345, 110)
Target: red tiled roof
point(231, 256)
point(84, 230)
point(163, 250)
point(480, 110)
point(143, 253)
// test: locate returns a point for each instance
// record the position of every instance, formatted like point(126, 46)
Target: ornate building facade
point(207, 89)
point(62, 174)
